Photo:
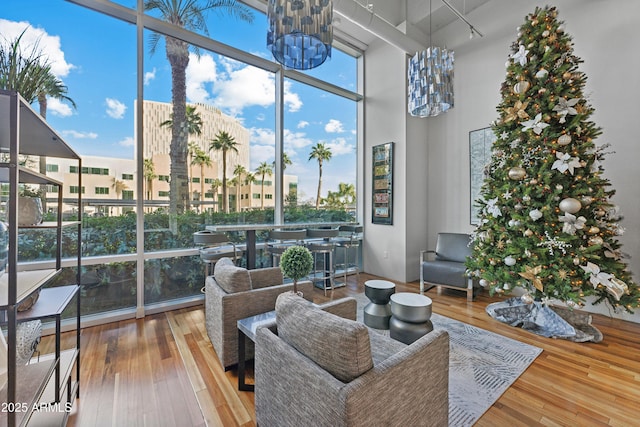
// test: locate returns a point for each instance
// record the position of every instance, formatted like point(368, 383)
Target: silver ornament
point(510, 261)
point(570, 205)
point(527, 299)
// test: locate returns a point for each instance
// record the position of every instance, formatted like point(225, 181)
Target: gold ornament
point(517, 111)
point(528, 233)
point(532, 275)
point(542, 90)
point(521, 87)
point(533, 181)
point(595, 240)
point(564, 139)
point(570, 205)
point(517, 173)
point(594, 230)
point(566, 75)
point(576, 261)
point(587, 200)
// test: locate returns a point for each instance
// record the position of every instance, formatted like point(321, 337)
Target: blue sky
point(95, 57)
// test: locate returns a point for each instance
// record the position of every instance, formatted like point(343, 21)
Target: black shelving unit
point(43, 391)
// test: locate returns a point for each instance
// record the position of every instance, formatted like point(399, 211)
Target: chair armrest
point(426, 255)
point(420, 369)
point(343, 307)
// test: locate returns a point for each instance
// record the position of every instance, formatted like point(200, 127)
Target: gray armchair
point(444, 266)
point(328, 371)
point(234, 293)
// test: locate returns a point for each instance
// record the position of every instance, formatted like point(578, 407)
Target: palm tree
point(193, 122)
point(286, 161)
point(224, 142)
point(188, 14)
point(264, 169)
point(238, 172)
point(149, 172)
point(51, 87)
point(118, 187)
point(201, 159)
point(233, 182)
point(215, 184)
point(31, 76)
point(321, 153)
point(24, 74)
point(193, 149)
point(347, 192)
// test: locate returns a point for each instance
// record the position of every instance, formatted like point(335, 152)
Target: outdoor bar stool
point(320, 243)
point(214, 246)
point(349, 239)
point(280, 240)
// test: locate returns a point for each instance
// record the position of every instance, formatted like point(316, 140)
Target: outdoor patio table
point(250, 230)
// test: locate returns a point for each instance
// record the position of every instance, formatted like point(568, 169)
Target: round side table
point(378, 312)
point(411, 314)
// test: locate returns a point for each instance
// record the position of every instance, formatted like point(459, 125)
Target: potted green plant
point(296, 262)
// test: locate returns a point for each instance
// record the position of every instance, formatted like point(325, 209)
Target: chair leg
point(470, 291)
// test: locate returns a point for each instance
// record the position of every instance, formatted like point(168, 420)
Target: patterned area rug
point(482, 365)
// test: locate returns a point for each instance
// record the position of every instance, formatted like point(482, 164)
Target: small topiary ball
point(296, 262)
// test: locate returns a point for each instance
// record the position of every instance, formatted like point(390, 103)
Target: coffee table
point(378, 312)
point(247, 329)
point(410, 316)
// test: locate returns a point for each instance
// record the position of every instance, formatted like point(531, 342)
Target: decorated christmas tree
point(547, 221)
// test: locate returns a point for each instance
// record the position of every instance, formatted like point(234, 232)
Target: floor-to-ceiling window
point(136, 162)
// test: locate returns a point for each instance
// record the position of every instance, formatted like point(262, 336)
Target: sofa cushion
point(265, 277)
point(340, 346)
point(231, 278)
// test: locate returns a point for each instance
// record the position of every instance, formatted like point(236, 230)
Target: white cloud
point(295, 140)
point(200, 71)
point(232, 86)
point(38, 39)
point(302, 124)
point(262, 136)
point(127, 142)
point(244, 87)
point(79, 135)
point(334, 126)
point(292, 100)
point(339, 146)
point(58, 108)
point(115, 108)
point(149, 76)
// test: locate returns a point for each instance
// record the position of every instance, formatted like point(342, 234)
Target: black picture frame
point(382, 184)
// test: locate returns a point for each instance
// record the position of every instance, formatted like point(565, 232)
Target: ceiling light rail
point(461, 16)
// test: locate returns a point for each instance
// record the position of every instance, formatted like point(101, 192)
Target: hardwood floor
point(162, 371)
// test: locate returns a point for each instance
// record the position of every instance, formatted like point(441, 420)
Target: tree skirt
point(548, 321)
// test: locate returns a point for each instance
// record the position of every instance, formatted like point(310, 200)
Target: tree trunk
point(178, 56)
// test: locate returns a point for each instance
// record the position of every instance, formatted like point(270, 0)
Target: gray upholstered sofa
point(234, 293)
point(444, 266)
point(323, 370)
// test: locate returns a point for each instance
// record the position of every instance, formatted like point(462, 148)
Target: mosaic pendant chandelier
point(430, 76)
point(300, 32)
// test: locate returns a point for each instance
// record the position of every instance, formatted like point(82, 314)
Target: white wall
point(387, 247)
point(605, 37)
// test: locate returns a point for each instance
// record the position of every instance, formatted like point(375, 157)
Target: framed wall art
point(382, 171)
point(480, 142)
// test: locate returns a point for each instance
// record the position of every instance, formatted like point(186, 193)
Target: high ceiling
point(420, 15)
